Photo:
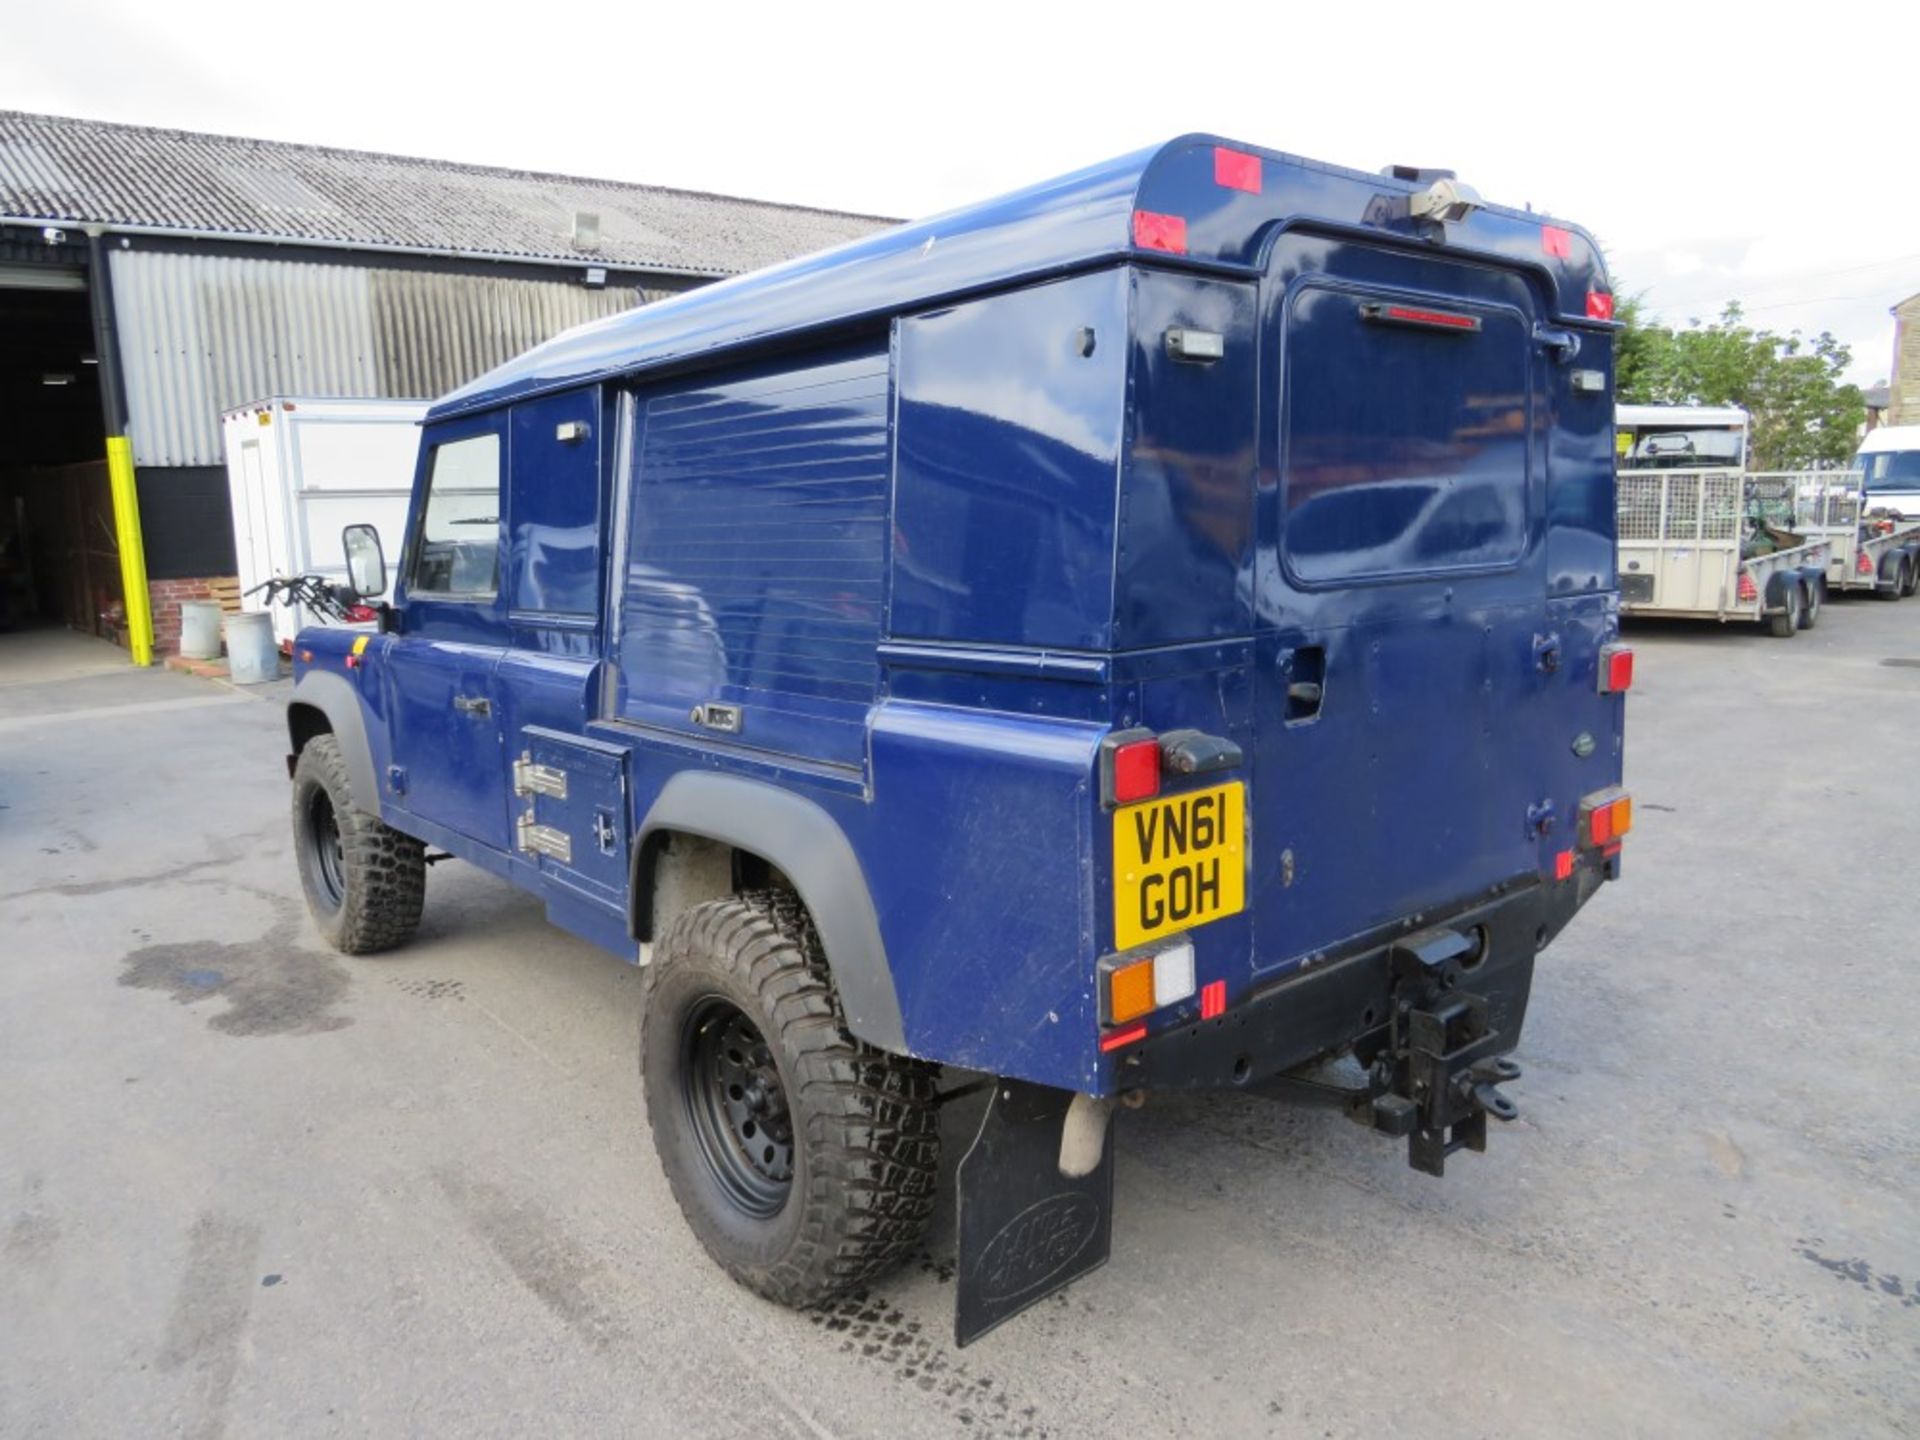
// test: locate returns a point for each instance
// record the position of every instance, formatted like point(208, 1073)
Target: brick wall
point(166, 596)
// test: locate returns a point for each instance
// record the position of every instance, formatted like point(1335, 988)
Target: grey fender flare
point(808, 846)
point(334, 698)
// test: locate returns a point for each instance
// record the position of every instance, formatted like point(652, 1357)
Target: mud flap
point(1024, 1229)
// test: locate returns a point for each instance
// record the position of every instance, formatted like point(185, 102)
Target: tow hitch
point(1437, 1078)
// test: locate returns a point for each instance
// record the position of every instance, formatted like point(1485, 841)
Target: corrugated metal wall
point(202, 333)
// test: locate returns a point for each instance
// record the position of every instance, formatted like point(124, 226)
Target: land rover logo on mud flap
point(1036, 1245)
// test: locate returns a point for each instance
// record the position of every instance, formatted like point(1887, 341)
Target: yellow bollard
point(133, 553)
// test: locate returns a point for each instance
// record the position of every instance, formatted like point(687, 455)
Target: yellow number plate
point(1177, 863)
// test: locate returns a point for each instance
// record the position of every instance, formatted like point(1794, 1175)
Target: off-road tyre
point(1785, 623)
point(365, 881)
point(1810, 603)
point(861, 1129)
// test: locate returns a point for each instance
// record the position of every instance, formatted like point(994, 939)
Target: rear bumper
point(1349, 1000)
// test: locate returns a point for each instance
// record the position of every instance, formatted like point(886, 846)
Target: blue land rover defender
point(1153, 631)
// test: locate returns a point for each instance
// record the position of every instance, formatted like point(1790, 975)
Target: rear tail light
point(1130, 766)
point(1606, 817)
point(1748, 592)
point(1616, 669)
point(1137, 987)
point(1864, 565)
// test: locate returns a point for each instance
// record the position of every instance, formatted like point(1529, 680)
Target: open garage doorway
point(59, 560)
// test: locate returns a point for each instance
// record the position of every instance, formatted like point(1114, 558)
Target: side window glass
point(458, 553)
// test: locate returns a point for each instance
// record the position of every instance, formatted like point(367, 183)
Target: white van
point(1889, 465)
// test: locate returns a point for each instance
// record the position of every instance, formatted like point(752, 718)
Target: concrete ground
point(251, 1188)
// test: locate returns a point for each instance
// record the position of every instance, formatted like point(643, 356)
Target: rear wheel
point(1786, 621)
point(365, 881)
point(1810, 604)
point(1912, 581)
point(1902, 585)
point(802, 1158)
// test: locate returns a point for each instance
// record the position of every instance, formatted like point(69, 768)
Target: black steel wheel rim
point(329, 857)
point(736, 1104)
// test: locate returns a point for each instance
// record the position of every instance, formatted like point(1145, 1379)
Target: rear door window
point(1405, 448)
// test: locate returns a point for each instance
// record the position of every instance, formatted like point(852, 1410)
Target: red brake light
point(1864, 565)
point(1556, 242)
point(1616, 669)
point(1152, 231)
point(1136, 771)
point(1748, 592)
point(1236, 170)
point(1599, 305)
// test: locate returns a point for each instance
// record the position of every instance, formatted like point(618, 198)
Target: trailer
point(300, 468)
point(1873, 551)
point(1700, 544)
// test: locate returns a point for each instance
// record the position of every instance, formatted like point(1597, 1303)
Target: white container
point(253, 655)
point(200, 629)
point(299, 470)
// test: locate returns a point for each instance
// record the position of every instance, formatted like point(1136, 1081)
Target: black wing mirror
point(366, 561)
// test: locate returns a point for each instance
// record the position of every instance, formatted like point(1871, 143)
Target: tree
point(1802, 413)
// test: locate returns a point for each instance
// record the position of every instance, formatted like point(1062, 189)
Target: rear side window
point(458, 552)
point(1406, 443)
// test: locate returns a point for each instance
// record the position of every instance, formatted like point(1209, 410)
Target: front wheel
point(802, 1158)
point(365, 881)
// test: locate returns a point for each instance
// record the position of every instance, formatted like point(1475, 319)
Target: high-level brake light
point(1153, 231)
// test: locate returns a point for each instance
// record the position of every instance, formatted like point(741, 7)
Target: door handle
point(473, 704)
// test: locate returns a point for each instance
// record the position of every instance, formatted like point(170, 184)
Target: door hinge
point(532, 779)
point(537, 839)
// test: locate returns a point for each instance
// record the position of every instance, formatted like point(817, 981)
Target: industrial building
point(150, 279)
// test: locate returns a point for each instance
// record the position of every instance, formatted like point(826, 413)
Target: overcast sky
point(1716, 158)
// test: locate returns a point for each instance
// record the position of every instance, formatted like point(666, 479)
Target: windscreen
point(1406, 440)
point(1890, 470)
point(1681, 447)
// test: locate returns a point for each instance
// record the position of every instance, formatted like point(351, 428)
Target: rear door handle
point(473, 704)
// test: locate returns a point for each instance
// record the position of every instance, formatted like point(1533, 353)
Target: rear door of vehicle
point(1402, 639)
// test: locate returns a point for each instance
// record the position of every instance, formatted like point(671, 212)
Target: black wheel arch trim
point(807, 844)
point(339, 704)
point(1777, 586)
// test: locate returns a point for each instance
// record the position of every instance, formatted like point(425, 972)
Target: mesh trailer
point(1873, 551)
point(1702, 544)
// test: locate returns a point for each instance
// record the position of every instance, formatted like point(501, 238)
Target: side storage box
point(570, 797)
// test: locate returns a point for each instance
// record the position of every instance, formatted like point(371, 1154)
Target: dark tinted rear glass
point(1405, 448)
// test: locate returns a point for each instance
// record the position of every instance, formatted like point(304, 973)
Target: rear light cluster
point(1864, 565)
point(1616, 669)
point(1605, 818)
point(1748, 592)
point(1137, 986)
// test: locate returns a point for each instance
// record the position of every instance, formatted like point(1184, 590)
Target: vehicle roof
point(1679, 415)
point(1890, 437)
point(1075, 222)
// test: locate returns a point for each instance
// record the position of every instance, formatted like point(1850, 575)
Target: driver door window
point(457, 554)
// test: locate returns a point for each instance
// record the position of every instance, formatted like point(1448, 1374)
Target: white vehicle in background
point(298, 471)
point(1680, 437)
point(1889, 466)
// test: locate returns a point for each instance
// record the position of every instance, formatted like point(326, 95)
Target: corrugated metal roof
point(202, 333)
point(90, 172)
